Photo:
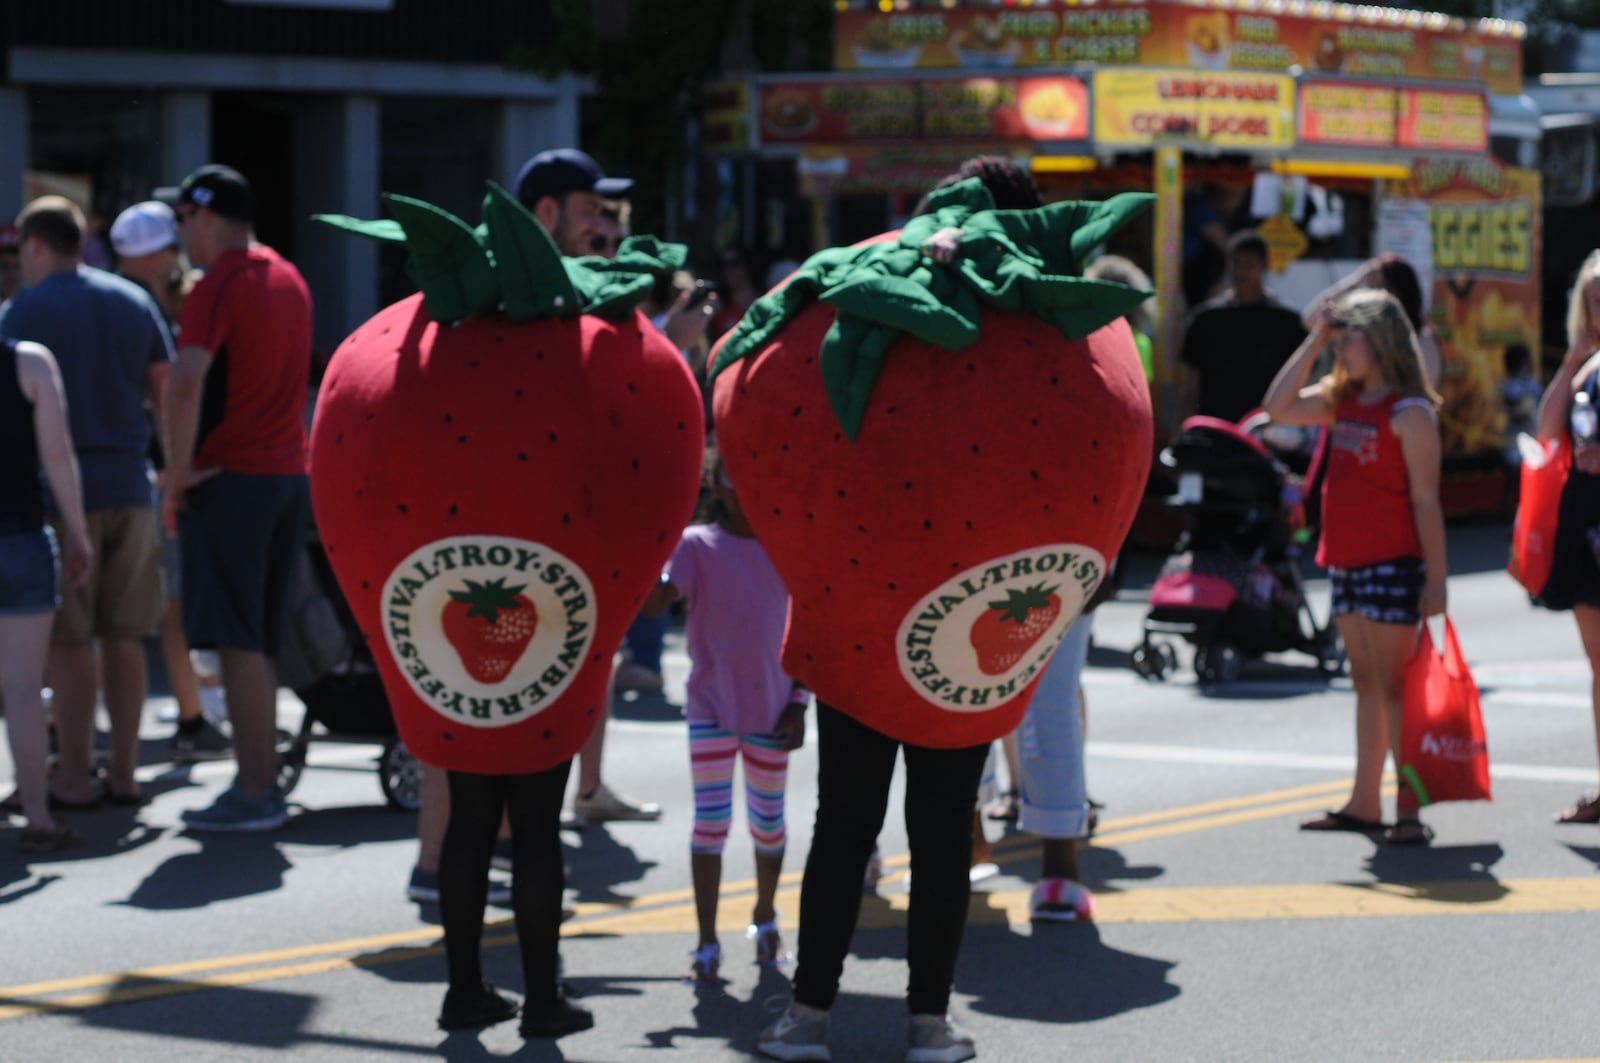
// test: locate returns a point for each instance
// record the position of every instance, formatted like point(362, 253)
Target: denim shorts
point(1387, 592)
point(28, 573)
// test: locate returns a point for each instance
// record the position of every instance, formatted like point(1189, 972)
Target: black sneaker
point(202, 741)
point(465, 1011)
point(553, 1018)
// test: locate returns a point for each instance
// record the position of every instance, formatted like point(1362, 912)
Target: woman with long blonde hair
point(1574, 581)
point(1383, 536)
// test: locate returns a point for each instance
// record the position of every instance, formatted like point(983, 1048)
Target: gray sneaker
point(800, 1033)
point(424, 888)
point(233, 811)
point(935, 1039)
point(606, 804)
point(205, 742)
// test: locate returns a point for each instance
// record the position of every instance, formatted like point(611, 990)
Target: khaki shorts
point(122, 597)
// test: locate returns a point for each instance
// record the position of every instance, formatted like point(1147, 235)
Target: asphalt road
point(1222, 932)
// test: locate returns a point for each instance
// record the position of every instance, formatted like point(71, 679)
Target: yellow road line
point(669, 909)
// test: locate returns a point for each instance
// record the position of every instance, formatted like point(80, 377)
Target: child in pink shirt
point(740, 702)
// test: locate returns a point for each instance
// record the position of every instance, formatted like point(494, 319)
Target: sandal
point(1343, 821)
point(1587, 810)
point(1408, 832)
point(1003, 808)
point(48, 839)
point(1060, 900)
point(704, 964)
point(769, 943)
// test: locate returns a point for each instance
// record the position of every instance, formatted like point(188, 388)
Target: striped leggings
point(712, 752)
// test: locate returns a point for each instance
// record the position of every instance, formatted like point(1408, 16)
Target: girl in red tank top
point(1382, 528)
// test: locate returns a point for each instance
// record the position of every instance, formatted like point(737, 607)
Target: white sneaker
point(801, 1033)
point(935, 1039)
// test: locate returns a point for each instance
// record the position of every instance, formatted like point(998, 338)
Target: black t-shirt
point(1237, 348)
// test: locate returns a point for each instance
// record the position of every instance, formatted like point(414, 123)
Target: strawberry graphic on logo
point(1008, 629)
point(490, 625)
point(512, 451)
point(914, 438)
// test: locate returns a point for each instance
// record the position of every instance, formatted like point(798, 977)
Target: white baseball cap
point(144, 228)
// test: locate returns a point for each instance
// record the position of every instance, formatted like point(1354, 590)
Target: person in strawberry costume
point(940, 437)
point(501, 465)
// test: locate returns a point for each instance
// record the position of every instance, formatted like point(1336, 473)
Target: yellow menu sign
point(1140, 107)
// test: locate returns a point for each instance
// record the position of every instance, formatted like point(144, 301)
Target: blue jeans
point(644, 639)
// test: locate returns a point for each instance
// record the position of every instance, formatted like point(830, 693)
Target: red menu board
point(985, 108)
point(1353, 40)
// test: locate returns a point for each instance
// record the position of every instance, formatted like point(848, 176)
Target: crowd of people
point(194, 358)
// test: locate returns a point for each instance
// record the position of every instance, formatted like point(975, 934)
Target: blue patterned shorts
point(1387, 592)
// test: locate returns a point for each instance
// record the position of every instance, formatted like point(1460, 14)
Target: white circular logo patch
point(978, 639)
point(488, 630)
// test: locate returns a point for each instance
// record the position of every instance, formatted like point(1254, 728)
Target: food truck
point(1343, 131)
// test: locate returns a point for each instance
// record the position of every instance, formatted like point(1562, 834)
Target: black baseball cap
point(220, 189)
point(562, 170)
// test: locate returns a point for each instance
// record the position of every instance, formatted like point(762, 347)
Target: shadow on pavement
point(600, 863)
point(725, 1019)
point(190, 880)
point(1451, 874)
point(1059, 973)
point(258, 1018)
point(1590, 853)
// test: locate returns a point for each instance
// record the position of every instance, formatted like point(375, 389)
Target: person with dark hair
point(740, 706)
point(112, 346)
point(237, 490)
point(577, 204)
point(1235, 344)
point(1391, 273)
point(1010, 184)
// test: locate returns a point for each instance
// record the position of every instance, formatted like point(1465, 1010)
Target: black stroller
point(1233, 587)
point(327, 664)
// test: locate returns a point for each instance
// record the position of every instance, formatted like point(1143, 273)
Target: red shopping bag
point(1533, 534)
point(1444, 755)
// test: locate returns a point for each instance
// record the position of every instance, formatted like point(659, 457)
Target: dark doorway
point(254, 133)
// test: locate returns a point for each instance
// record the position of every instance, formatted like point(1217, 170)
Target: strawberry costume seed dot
point(401, 506)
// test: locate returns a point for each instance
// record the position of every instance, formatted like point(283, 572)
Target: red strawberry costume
point(940, 457)
point(500, 467)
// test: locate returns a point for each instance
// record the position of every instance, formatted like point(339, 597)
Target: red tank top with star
point(1366, 494)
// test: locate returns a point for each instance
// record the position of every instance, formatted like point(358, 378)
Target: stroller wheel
point(291, 760)
point(1330, 652)
point(1220, 662)
point(400, 776)
point(1169, 657)
point(1147, 662)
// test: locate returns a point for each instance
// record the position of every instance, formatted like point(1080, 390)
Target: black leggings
point(855, 766)
point(533, 803)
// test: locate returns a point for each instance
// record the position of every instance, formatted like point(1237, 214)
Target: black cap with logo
point(220, 189)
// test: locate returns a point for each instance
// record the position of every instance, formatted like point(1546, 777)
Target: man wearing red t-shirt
point(236, 469)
